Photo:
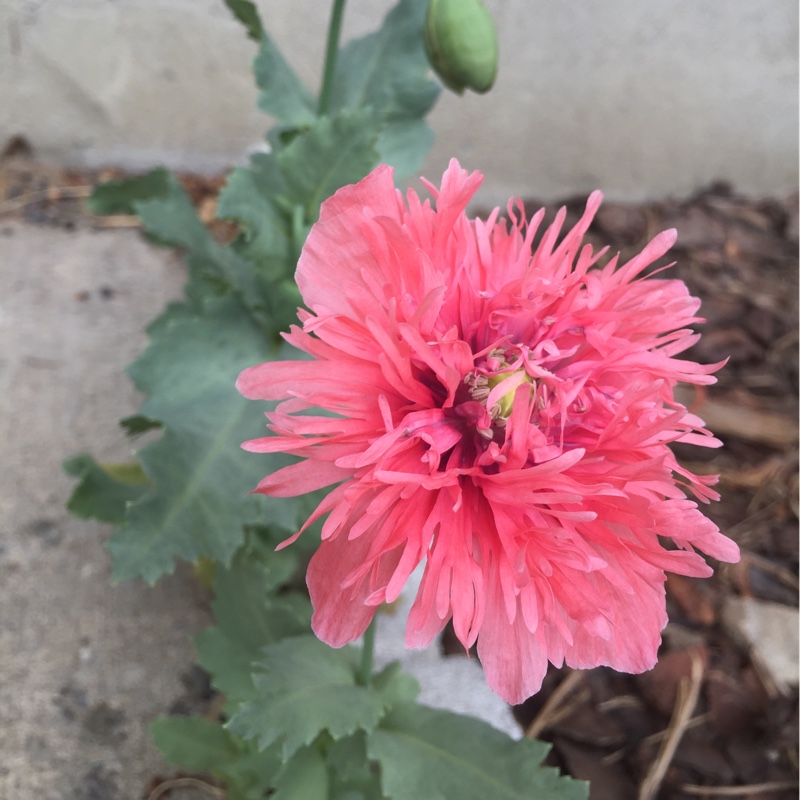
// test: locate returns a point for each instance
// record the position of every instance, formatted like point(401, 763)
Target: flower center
point(494, 385)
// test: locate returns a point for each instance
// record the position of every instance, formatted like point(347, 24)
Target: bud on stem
point(461, 43)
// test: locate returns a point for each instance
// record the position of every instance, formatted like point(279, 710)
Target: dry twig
point(737, 791)
point(52, 194)
point(550, 711)
point(688, 693)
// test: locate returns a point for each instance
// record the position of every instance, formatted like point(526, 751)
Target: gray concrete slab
point(84, 666)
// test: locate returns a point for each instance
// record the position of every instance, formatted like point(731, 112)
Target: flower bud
point(461, 43)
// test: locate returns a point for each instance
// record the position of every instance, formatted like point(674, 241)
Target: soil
point(709, 721)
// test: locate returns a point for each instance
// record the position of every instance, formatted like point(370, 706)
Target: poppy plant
point(499, 410)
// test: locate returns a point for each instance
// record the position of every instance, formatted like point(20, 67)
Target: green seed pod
point(461, 43)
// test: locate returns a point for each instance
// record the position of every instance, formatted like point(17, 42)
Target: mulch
point(708, 721)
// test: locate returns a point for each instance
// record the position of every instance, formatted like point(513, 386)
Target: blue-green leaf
point(304, 687)
point(332, 153)
point(249, 198)
point(247, 13)
point(425, 752)
point(388, 72)
point(248, 618)
point(201, 745)
point(136, 425)
point(195, 743)
point(303, 777)
point(283, 94)
point(198, 502)
point(120, 197)
point(104, 490)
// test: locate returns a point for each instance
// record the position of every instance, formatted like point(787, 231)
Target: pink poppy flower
point(501, 412)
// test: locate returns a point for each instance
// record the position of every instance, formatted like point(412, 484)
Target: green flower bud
point(461, 43)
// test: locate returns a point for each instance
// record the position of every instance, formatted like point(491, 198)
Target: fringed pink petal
point(501, 410)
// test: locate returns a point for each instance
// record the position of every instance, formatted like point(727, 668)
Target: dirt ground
point(713, 719)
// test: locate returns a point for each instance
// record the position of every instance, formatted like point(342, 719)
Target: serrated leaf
point(172, 220)
point(248, 618)
point(424, 752)
point(304, 687)
point(278, 566)
point(352, 774)
point(404, 144)
point(304, 776)
point(199, 500)
point(388, 69)
point(247, 13)
point(249, 198)
point(252, 776)
point(333, 152)
point(119, 197)
point(169, 218)
point(195, 743)
point(388, 72)
point(396, 687)
point(283, 94)
point(104, 490)
point(137, 424)
point(201, 745)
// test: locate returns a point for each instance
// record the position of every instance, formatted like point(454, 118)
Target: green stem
point(331, 49)
point(365, 671)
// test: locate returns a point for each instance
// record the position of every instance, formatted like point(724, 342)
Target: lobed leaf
point(247, 13)
point(121, 196)
point(136, 425)
point(283, 94)
point(198, 502)
point(333, 152)
point(104, 490)
point(304, 776)
point(305, 687)
point(388, 71)
point(195, 743)
point(248, 618)
point(201, 745)
point(249, 197)
point(424, 752)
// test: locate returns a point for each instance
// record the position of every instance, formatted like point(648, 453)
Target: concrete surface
point(84, 666)
point(638, 99)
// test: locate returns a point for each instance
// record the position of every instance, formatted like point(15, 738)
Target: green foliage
point(283, 95)
point(304, 776)
point(424, 752)
point(304, 687)
point(120, 197)
point(247, 13)
point(354, 777)
point(332, 153)
point(249, 616)
point(137, 424)
point(205, 746)
point(198, 502)
point(103, 490)
point(387, 71)
point(250, 197)
point(195, 743)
